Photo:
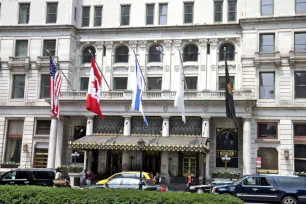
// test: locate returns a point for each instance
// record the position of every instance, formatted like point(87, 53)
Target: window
point(47, 175)
point(18, 87)
point(300, 42)
point(222, 82)
point(191, 82)
point(188, 12)
point(24, 13)
point(218, 11)
point(163, 14)
point(269, 160)
point(125, 15)
point(300, 130)
point(267, 130)
point(49, 45)
point(116, 181)
point(120, 83)
point(86, 56)
point(14, 140)
point(21, 48)
point(300, 84)
point(43, 127)
point(98, 16)
point(84, 83)
point(51, 12)
point(266, 85)
point(227, 144)
point(156, 53)
point(190, 53)
point(300, 6)
point(122, 54)
point(257, 181)
point(45, 86)
point(208, 49)
point(75, 13)
point(266, 43)
point(267, 7)
point(299, 147)
point(232, 7)
point(150, 14)
point(11, 175)
point(85, 16)
point(230, 52)
point(155, 83)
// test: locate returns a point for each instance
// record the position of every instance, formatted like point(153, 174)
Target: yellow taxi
point(129, 174)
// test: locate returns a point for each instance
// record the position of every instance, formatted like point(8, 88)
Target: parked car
point(267, 188)
point(208, 187)
point(130, 174)
point(129, 183)
point(40, 177)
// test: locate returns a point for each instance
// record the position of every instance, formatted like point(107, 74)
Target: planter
point(74, 179)
point(9, 166)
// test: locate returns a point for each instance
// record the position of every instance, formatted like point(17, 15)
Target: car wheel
point(289, 200)
point(200, 191)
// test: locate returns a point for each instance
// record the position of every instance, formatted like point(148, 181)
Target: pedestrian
point(84, 177)
point(152, 176)
point(189, 182)
point(89, 177)
point(157, 178)
point(58, 174)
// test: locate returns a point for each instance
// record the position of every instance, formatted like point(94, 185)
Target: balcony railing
point(159, 95)
point(44, 61)
point(23, 62)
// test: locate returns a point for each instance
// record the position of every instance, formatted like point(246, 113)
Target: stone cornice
point(280, 19)
point(37, 27)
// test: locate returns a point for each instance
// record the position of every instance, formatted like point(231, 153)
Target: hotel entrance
point(151, 161)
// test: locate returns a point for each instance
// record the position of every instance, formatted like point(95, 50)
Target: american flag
point(55, 88)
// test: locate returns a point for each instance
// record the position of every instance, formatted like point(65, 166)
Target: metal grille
point(111, 125)
point(193, 126)
point(269, 158)
point(139, 127)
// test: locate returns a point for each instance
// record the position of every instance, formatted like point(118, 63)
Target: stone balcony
point(158, 95)
point(297, 57)
point(44, 61)
point(21, 62)
point(267, 58)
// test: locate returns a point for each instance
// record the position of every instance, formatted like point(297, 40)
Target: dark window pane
point(125, 15)
point(300, 165)
point(232, 5)
point(163, 14)
point(50, 175)
point(188, 7)
point(300, 84)
point(43, 127)
point(218, 11)
point(191, 82)
point(300, 130)
point(120, 83)
point(300, 42)
point(86, 15)
point(292, 182)
point(227, 144)
point(155, 83)
point(266, 86)
point(208, 49)
point(222, 83)
point(45, 86)
point(86, 56)
point(21, 48)
point(49, 45)
point(190, 53)
point(18, 86)
point(267, 130)
point(300, 6)
point(266, 43)
point(300, 151)
point(150, 14)
point(51, 12)
point(122, 54)
point(230, 51)
point(156, 53)
point(84, 83)
point(98, 16)
point(13, 149)
point(24, 13)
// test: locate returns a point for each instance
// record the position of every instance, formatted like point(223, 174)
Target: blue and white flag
point(138, 88)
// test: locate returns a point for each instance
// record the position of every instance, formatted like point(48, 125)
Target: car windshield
point(239, 180)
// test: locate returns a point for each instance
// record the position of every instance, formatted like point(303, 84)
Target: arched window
point(156, 53)
point(122, 54)
point(86, 55)
point(230, 51)
point(190, 53)
point(227, 145)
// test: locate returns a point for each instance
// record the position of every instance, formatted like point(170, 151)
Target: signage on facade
point(258, 162)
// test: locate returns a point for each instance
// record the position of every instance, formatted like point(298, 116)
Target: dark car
point(267, 188)
point(40, 177)
point(130, 183)
point(208, 187)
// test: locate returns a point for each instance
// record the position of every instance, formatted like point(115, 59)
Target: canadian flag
point(94, 90)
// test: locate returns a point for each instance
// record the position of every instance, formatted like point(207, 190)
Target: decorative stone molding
point(133, 44)
point(213, 67)
point(108, 69)
point(167, 44)
point(99, 45)
point(109, 44)
point(265, 58)
point(296, 57)
point(44, 61)
point(203, 43)
point(167, 68)
point(132, 68)
point(176, 68)
point(237, 42)
point(142, 44)
point(19, 62)
point(203, 68)
point(177, 43)
point(165, 108)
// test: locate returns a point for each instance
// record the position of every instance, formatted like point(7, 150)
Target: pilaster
point(52, 143)
point(205, 134)
point(127, 126)
point(59, 143)
point(165, 128)
point(246, 146)
point(164, 167)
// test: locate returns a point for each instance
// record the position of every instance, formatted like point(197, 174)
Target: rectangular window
point(24, 13)
point(14, 140)
point(188, 12)
point(49, 45)
point(18, 87)
point(266, 85)
point(300, 130)
point(43, 127)
point(266, 43)
point(163, 14)
point(300, 147)
point(222, 83)
point(84, 83)
point(21, 49)
point(155, 83)
point(267, 7)
point(218, 11)
point(125, 15)
point(51, 12)
point(300, 42)
point(75, 13)
point(232, 10)
point(98, 16)
point(192, 83)
point(208, 49)
point(150, 14)
point(300, 6)
point(85, 16)
point(267, 130)
point(120, 83)
point(45, 86)
point(300, 84)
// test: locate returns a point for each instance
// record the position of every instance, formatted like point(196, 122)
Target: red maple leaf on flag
point(95, 86)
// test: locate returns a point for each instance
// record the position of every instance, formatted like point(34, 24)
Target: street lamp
point(141, 145)
point(75, 155)
point(226, 159)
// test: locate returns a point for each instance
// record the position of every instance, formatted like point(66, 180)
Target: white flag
point(179, 98)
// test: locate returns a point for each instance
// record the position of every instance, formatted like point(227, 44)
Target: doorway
point(40, 158)
point(114, 161)
point(151, 162)
point(189, 166)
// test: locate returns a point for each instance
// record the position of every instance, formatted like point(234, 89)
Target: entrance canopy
point(171, 143)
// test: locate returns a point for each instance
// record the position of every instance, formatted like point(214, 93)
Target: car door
point(248, 189)
point(267, 190)
point(22, 178)
point(114, 183)
point(9, 178)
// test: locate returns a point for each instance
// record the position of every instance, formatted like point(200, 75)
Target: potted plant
point(9, 164)
point(226, 174)
point(300, 173)
point(74, 173)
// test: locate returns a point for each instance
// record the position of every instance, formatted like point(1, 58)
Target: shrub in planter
point(72, 169)
point(9, 165)
point(225, 175)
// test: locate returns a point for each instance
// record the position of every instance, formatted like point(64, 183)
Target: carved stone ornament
point(238, 42)
point(142, 68)
point(133, 43)
point(99, 45)
point(108, 69)
point(176, 68)
point(142, 44)
point(167, 44)
point(165, 108)
point(203, 68)
point(108, 44)
point(132, 68)
point(177, 43)
point(203, 43)
point(213, 43)
point(205, 109)
point(213, 67)
point(127, 108)
point(167, 68)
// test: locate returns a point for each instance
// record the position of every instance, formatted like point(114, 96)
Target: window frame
point(159, 13)
point(40, 86)
point(185, 53)
point(156, 77)
point(268, 137)
point(303, 138)
point(86, 7)
point(95, 16)
point(28, 14)
point(223, 88)
point(11, 136)
point(150, 15)
point(221, 2)
point(261, 6)
point(115, 54)
point(229, 12)
point(232, 52)
point(259, 85)
point(82, 78)
point(13, 87)
point(16, 42)
point(36, 127)
point(296, 3)
point(44, 47)
point(294, 72)
point(93, 51)
point(47, 14)
point(114, 83)
point(296, 33)
point(188, 89)
point(121, 15)
point(149, 54)
point(192, 14)
point(260, 42)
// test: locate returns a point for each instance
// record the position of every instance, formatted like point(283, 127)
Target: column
point(205, 133)
point(164, 167)
point(165, 127)
point(127, 126)
point(59, 144)
point(85, 159)
point(125, 161)
point(52, 143)
point(89, 131)
point(211, 85)
point(247, 146)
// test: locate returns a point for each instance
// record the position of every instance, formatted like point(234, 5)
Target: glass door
point(189, 166)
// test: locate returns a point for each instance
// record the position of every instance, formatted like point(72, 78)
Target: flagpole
point(59, 69)
point(185, 83)
point(99, 69)
point(141, 72)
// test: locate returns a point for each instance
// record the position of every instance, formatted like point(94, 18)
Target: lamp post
point(226, 159)
point(75, 155)
point(141, 145)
